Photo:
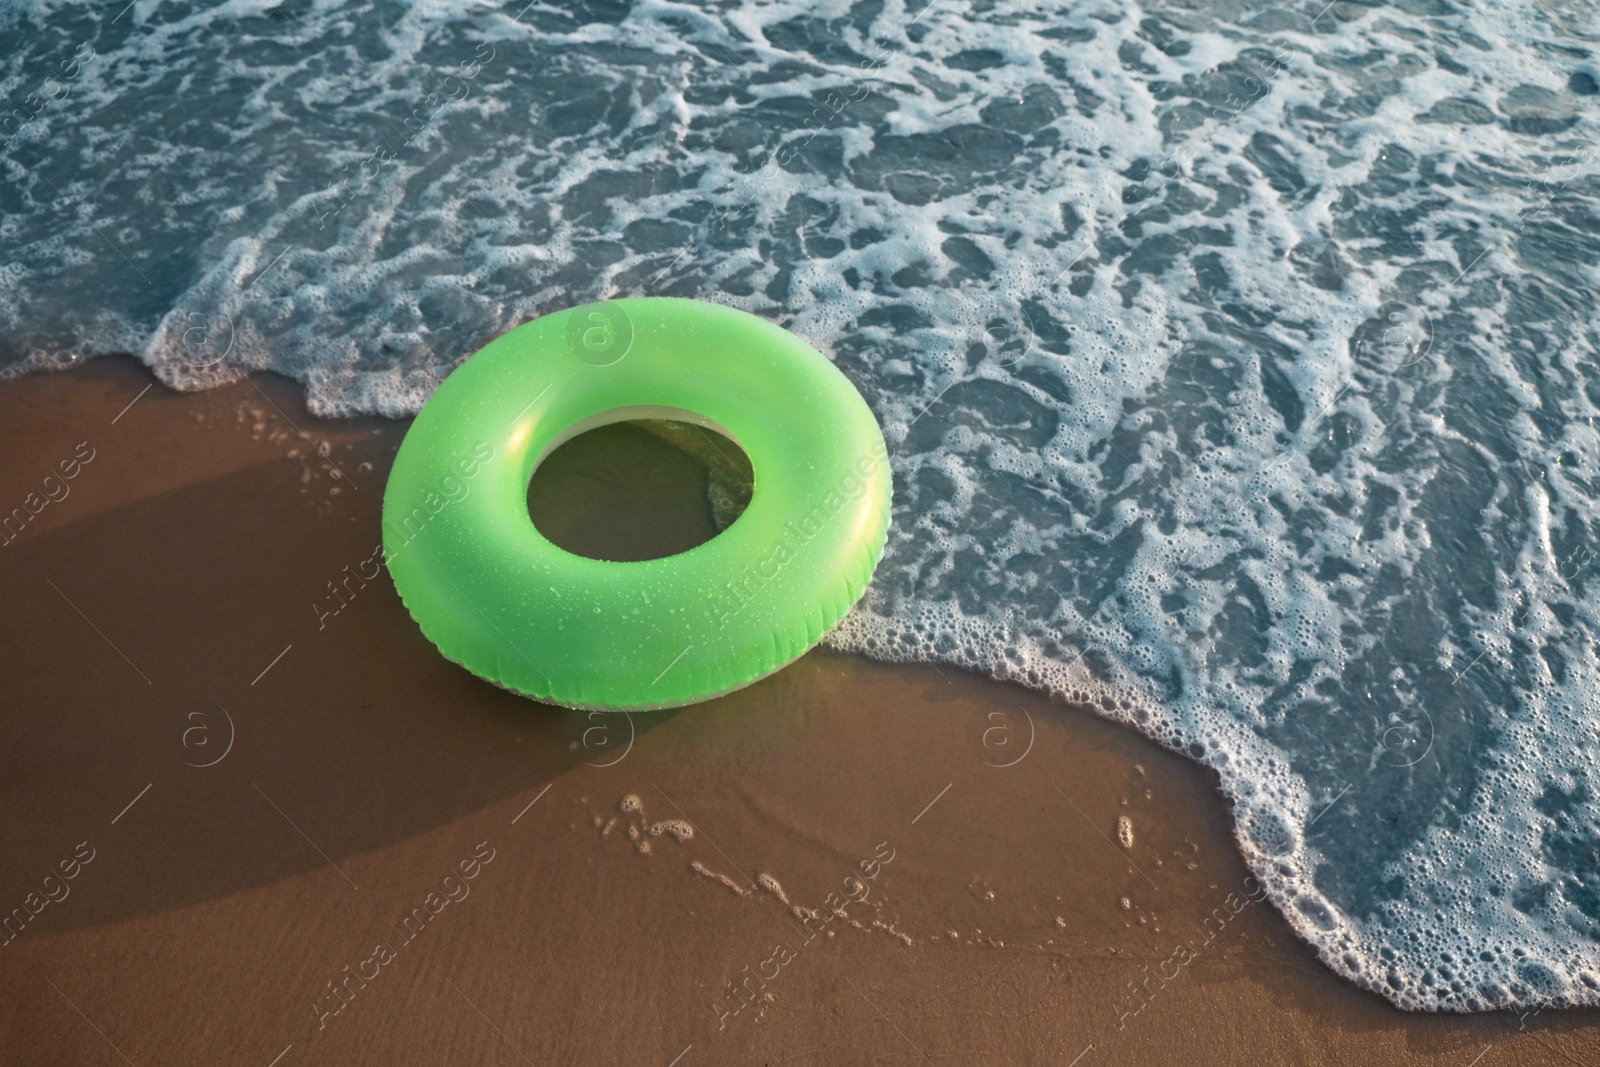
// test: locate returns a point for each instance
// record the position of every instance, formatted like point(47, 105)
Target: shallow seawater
point(1239, 363)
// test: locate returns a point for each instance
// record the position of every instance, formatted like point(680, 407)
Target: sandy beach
point(296, 834)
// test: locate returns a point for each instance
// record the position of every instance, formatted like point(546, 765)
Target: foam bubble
point(770, 884)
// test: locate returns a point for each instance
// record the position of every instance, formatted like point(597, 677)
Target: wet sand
point(311, 839)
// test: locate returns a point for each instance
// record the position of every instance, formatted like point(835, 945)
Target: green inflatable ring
point(499, 599)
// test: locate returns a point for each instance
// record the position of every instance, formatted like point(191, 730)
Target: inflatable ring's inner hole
point(638, 483)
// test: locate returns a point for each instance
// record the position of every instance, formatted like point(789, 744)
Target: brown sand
point(164, 608)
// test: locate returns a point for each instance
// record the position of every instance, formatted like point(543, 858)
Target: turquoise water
point(1239, 364)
